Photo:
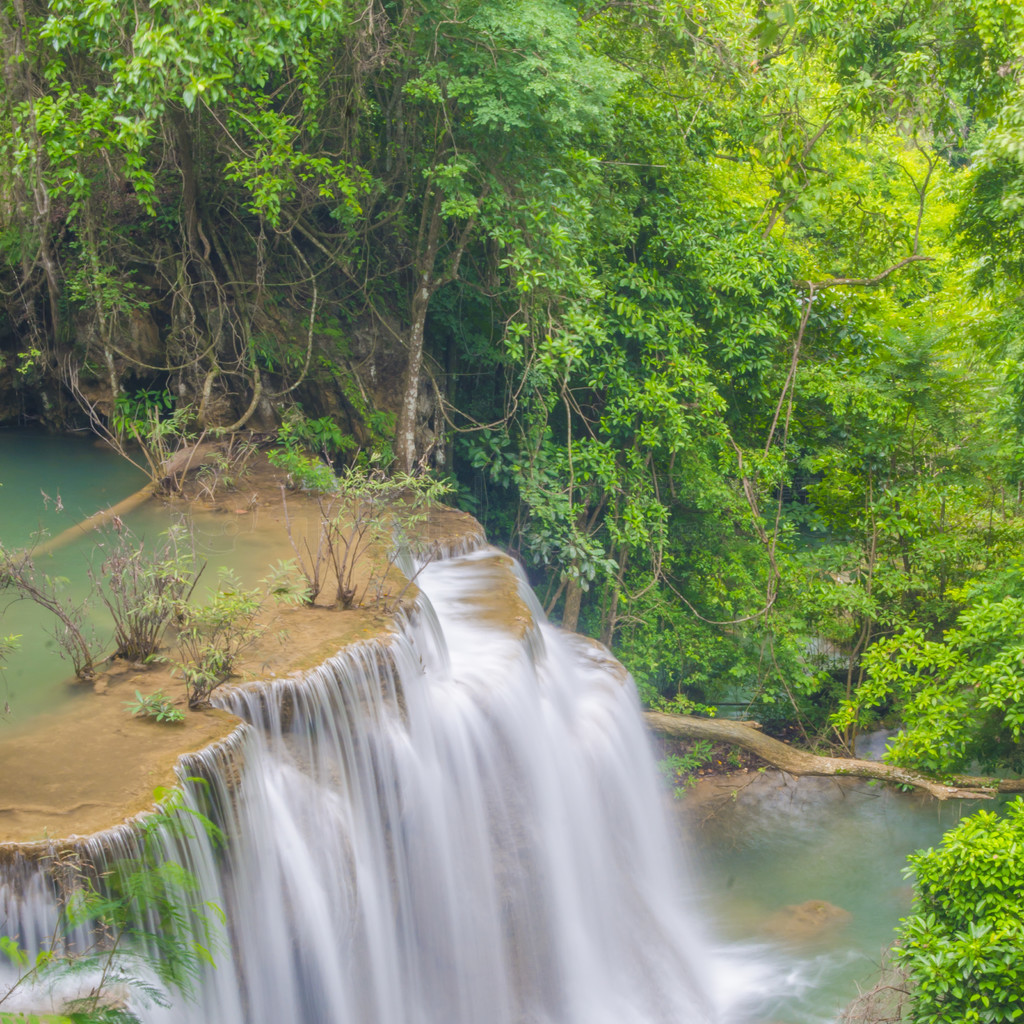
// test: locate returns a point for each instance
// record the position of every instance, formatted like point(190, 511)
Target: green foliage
point(212, 636)
point(146, 932)
point(285, 584)
point(962, 945)
point(143, 588)
point(653, 331)
point(321, 435)
point(20, 576)
point(545, 80)
point(155, 706)
point(680, 769)
point(306, 472)
point(961, 699)
point(151, 61)
point(364, 520)
point(150, 421)
point(8, 644)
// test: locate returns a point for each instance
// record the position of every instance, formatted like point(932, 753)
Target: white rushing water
point(461, 826)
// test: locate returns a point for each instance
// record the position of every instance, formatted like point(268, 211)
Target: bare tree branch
point(861, 282)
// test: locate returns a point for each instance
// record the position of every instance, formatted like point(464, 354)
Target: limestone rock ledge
point(91, 769)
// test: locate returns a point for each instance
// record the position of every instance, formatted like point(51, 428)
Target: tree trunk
point(573, 597)
point(427, 249)
point(800, 762)
point(405, 429)
point(189, 186)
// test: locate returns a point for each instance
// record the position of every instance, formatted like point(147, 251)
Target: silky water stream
point(460, 825)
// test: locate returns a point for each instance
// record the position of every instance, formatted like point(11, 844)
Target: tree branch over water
point(801, 762)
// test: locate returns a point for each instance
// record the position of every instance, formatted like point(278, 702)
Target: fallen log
point(94, 522)
point(801, 762)
point(182, 462)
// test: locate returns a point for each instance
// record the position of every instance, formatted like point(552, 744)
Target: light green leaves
point(962, 944)
point(961, 699)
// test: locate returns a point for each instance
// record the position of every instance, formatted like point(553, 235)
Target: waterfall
point(460, 824)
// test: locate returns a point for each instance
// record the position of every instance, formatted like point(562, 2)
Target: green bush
point(213, 636)
point(680, 769)
point(305, 472)
point(155, 706)
point(962, 947)
point(145, 586)
point(361, 509)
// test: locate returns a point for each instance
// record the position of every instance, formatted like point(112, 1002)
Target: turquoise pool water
point(48, 484)
point(835, 848)
point(52, 483)
point(38, 470)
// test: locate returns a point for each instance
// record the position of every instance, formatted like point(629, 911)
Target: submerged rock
point(803, 922)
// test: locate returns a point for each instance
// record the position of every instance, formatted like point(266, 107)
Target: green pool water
point(83, 474)
point(35, 470)
point(781, 842)
point(48, 484)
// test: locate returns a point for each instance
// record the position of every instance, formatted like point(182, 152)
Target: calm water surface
point(36, 470)
point(84, 475)
point(811, 872)
point(48, 484)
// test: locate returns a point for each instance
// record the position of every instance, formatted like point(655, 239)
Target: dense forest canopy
point(710, 311)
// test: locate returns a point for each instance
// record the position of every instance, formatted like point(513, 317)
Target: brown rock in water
point(804, 922)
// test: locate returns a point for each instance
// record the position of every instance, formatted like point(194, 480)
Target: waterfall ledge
point(92, 768)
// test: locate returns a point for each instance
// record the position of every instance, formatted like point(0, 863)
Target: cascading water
point(461, 825)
